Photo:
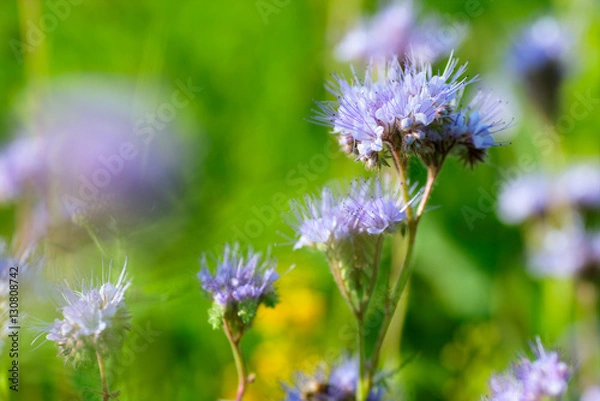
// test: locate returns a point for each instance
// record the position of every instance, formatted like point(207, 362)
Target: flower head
point(239, 285)
point(410, 109)
point(368, 207)
point(339, 384)
point(532, 380)
point(349, 227)
point(95, 319)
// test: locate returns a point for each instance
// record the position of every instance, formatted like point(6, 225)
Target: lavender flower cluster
point(532, 380)
point(561, 209)
point(240, 284)
point(411, 110)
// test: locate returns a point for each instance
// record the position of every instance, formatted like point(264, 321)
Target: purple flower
point(367, 208)
point(580, 185)
point(525, 197)
point(349, 226)
point(239, 285)
point(339, 384)
point(532, 380)
point(95, 319)
point(471, 130)
point(409, 109)
point(539, 57)
point(544, 41)
point(563, 252)
point(89, 154)
point(395, 31)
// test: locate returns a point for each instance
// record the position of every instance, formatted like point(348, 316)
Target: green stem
point(335, 270)
point(364, 376)
point(412, 223)
point(234, 341)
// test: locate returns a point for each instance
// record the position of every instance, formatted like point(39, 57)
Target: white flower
point(94, 319)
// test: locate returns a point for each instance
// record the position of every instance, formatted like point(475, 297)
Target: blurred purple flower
point(338, 385)
point(239, 285)
point(95, 319)
point(395, 31)
point(539, 56)
point(580, 185)
point(563, 253)
point(89, 154)
point(20, 165)
point(545, 376)
point(535, 194)
point(544, 41)
point(591, 394)
point(410, 109)
point(525, 197)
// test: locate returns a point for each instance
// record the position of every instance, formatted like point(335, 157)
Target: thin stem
point(95, 239)
point(234, 341)
point(106, 395)
point(432, 173)
point(364, 376)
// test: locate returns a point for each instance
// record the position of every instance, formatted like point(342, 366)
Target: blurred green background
point(471, 304)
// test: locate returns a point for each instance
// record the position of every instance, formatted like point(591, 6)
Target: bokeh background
point(245, 149)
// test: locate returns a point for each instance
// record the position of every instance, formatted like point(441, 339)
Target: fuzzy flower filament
point(238, 286)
